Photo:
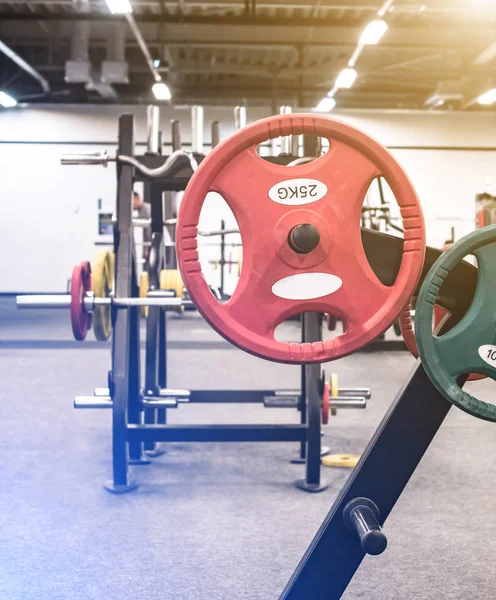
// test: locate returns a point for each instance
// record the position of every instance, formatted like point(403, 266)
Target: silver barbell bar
point(181, 395)
point(348, 402)
point(90, 301)
point(103, 158)
point(103, 402)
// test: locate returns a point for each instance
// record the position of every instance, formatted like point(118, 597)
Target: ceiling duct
point(79, 68)
point(115, 68)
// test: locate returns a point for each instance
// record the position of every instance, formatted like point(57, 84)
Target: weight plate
point(408, 333)
point(325, 404)
point(102, 278)
point(341, 460)
point(143, 292)
point(80, 285)
point(334, 385)
point(170, 279)
point(325, 269)
point(470, 346)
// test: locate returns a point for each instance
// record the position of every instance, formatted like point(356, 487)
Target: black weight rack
point(139, 412)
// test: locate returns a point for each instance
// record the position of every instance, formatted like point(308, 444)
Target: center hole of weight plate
point(304, 238)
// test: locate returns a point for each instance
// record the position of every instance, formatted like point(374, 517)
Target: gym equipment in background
point(470, 345)
point(485, 209)
point(306, 258)
point(139, 413)
point(379, 217)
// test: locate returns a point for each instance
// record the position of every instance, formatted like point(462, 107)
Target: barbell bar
point(105, 402)
point(181, 395)
point(293, 401)
point(90, 301)
point(103, 158)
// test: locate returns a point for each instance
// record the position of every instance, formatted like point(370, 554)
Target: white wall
point(49, 213)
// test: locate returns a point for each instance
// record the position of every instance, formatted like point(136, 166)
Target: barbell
point(93, 304)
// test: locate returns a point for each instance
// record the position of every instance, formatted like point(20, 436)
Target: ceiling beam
point(471, 24)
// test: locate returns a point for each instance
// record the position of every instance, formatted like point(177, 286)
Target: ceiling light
point(487, 98)
point(7, 101)
point(161, 91)
point(346, 78)
point(119, 7)
point(326, 104)
point(373, 32)
point(156, 63)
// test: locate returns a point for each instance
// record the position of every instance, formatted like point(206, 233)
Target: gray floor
point(209, 521)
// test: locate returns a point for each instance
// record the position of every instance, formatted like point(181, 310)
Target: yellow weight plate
point(334, 389)
point(170, 279)
point(340, 460)
point(334, 385)
point(143, 292)
point(102, 278)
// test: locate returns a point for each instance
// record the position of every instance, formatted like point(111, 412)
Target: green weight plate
point(470, 346)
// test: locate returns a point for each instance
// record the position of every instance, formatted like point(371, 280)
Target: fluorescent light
point(161, 91)
point(346, 78)
point(326, 104)
point(487, 98)
point(7, 101)
point(119, 7)
point(373, 32)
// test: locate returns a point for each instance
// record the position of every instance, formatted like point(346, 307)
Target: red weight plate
point(408, 333)
point(325, 404)
point(269, 201)
point(80, 285)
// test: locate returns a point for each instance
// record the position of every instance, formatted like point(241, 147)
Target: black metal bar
point(234, 396)
point(162, 362)
point(121, 333)
point(313, 332)
point(382, 473)
point(303, 403)
point(217, 433)
point(155, 262)
point(133, 353)
point(310, 145)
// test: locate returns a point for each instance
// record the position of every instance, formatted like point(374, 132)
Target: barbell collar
point(94, 158)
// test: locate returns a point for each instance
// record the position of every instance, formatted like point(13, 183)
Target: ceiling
point(258, 52)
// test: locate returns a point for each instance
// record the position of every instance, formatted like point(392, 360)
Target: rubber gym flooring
point(212, 521)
